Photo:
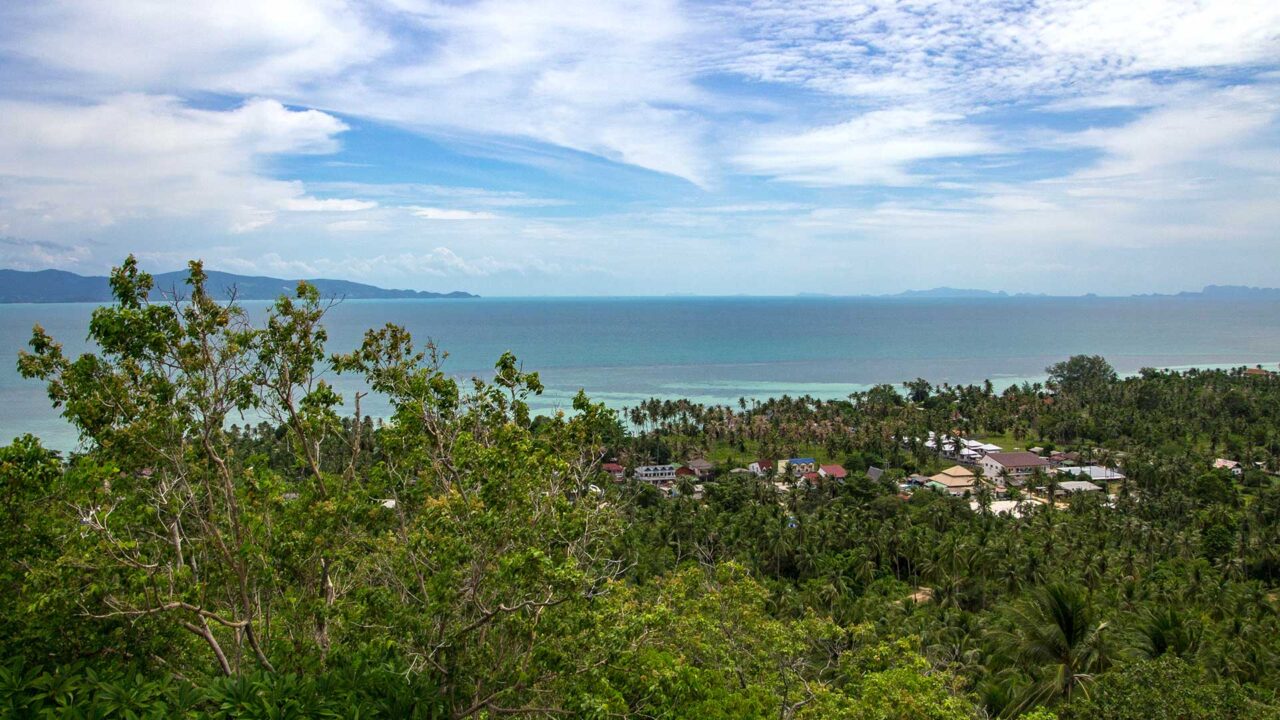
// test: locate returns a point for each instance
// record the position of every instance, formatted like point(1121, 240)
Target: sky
point(558, 147)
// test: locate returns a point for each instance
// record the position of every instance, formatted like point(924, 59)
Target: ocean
point(717, 350)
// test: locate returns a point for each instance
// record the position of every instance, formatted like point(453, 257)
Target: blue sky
point(582, 148)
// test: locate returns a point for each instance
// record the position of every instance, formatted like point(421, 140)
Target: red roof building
point(834, 471)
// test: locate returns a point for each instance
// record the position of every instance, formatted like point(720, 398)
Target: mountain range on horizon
point(57, 286)
point(1209, 291)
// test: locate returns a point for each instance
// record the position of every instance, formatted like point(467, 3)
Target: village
point(1004, 482)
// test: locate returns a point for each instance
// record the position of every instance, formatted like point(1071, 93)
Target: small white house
point(1012, 508)
point(1096, 473)
point(1072, 487)
point(1235, 467)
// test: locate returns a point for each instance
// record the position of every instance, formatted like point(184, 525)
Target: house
point(701, 467)
point(969, 451)
point(656, 474)
point(933, 485)
point(1072, 487)
point(874, 473)
point(1058, 457)
point(811, 479)
point(981, 447)
point(1223, 464)
point(1012, 508)
point(762, 468)
point(1257, 372)
point(684, 471)
point(618, 472)
point(956, 480)
point(946, 446)
point(800, 466)
point(1016, 466)
point(911, 483)
point(1096, 473)
point(835, 472)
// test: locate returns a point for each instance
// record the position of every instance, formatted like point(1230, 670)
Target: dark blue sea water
point(622, 350)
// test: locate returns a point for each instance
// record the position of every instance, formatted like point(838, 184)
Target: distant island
point(1218, 292)
point(58, 286)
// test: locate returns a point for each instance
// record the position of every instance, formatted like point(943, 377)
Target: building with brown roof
point(956, 479)
point(701, 466)
point(1015, 466)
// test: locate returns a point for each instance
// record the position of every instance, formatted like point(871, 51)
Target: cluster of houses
point(806, 472)
point(666, 477)
point(977, 462)
point(801, 471)
point(1000, 470)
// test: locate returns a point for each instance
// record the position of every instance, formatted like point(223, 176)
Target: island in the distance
point(58, 286)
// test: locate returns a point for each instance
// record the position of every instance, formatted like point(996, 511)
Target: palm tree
point(1166, 630)
point(1060, 638)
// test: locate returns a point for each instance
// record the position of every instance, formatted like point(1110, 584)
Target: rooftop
point(952, 481)
point(1074, 486)
point(1012, 508)
point(1018, 459)
point(1094, 472)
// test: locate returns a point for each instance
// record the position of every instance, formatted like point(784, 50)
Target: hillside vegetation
point(465, 559)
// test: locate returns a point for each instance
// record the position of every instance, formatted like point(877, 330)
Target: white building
point(1012, 508)
point(1077, 486)
point(1016, 466)
point(656, 473)
point(1222, 463)
point(1096, 473)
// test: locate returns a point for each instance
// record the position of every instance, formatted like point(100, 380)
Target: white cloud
point(23, 254)
point(1212, 127)
point(610, 79)
point(440, 262)
point(979, 49)
point(140, 155)
point(311, 204)
point(876, 148)
point(1150, 35)
point(433, 213)
point(236, 46)
point(424, 192)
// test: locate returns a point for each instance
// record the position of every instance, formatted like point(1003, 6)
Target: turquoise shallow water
point(622, 350)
